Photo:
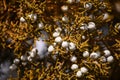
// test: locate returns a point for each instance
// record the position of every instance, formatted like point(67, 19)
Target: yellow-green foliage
point(49, 12)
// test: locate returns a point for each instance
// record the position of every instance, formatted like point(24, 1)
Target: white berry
point(91, 25)
point(29, 58)
point(107, 52)
point(78, 74)
point(64, 8)
point(32, 54)
point(65, 44)
point(58, 39)
point(74, 66)
point(106, 16)
point(41, 25)
point(110, 59)
point(86, 54)
point(13, 67)
point(83, 69)
point(72, 46)
point(58, 29)
point(22, 19)
point(23, 57)
point(88, 5)
point(83, 26)
point(56, 34)
point(83, 37)
point(34, 50)
point(65, 19)
point(73, 59)
point(16, 61)
point(94, 55)
point(50, 48)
